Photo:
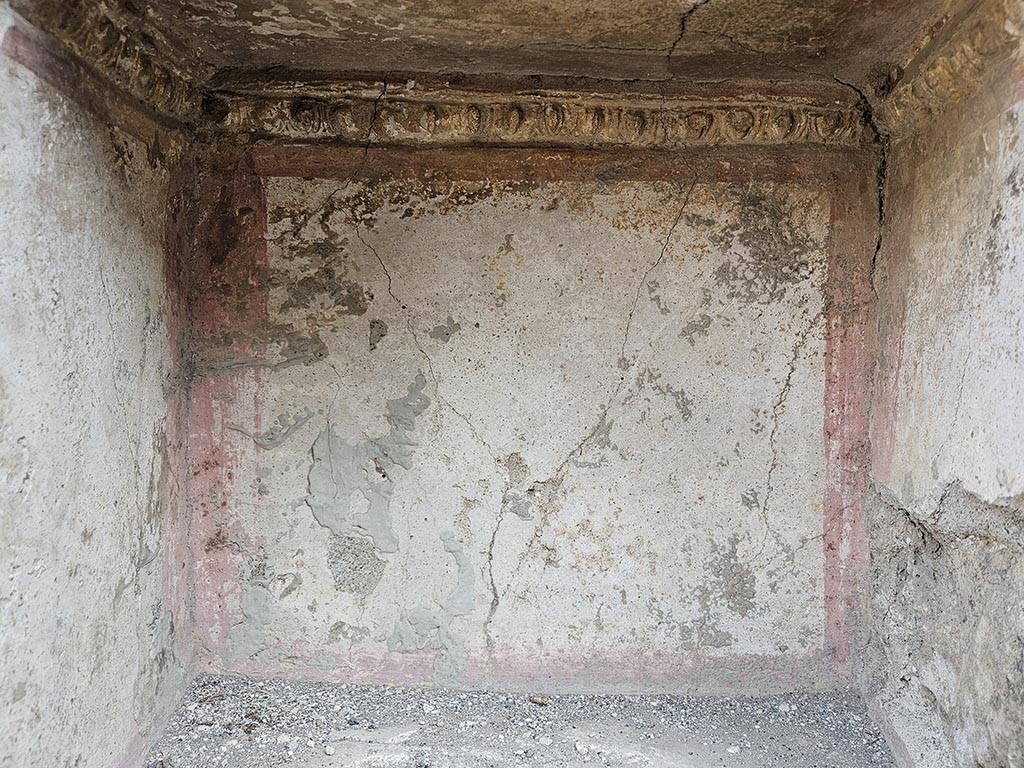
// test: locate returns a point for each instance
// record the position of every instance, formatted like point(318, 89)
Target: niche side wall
point(532, 419)
point(93, 598)
point(946, 654)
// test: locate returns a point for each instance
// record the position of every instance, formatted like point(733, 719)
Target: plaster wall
point(523, 425)
point(90, 662)
point(946, 653)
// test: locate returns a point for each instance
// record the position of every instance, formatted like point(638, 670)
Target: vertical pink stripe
point(849, 355)
point(229, 315)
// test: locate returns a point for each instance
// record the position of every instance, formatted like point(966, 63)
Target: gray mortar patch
point(342, 630)
point(731, 583)
point(424, 627)
point(350, 484)
point(735, 581)
point(338, 298)
point(283, 427)
point(444, 333)
point(301, 348)
point(294, 581)
point(258, 606)
point(518, 503)
point(653, 289)
point(295, 348)
point(323, 283)
point(678, 397)
point(378, 330)
point(354, 564)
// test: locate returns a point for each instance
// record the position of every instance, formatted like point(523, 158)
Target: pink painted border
point(849, 368)
point(849, 355)
point(229, 261)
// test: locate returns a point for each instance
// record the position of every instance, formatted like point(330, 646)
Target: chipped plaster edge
point(951, 67)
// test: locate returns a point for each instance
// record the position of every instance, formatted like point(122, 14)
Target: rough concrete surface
point(946, 653)
point(88, 658)
point(232, 722)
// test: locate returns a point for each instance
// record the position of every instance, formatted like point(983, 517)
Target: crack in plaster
point(654, 266)
point(777, 409)
point(682, 31)
point(422, 350)
point(882, 173)
point(367, 141)
point(959, 402)
point(489, 640)
point(495, 597)
point(425, 627)
point(555, 479)
point(277, 434)
point(352, 495)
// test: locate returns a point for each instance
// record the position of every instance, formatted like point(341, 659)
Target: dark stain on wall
point(378, 330)
point(770, 250)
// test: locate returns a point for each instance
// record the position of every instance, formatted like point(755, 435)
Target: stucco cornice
point(413, 116)
point(952, 67)
point(116, 46)
point(121, 48)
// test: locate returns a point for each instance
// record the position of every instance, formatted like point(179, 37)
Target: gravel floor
point(239, 723)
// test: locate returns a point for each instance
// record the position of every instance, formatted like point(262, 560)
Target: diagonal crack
point(550, 485)
point(422, 350)
point(495, 599)
point(367, 141)
point(654, 266)
point(777, 409)
point(683, 20)
point(555, 479)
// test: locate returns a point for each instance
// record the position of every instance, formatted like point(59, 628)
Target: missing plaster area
point(770, 245)
point(729, 591)
point(963, 558)
point(355, 565)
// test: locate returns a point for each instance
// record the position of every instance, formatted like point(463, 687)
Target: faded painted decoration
point(567, 431)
